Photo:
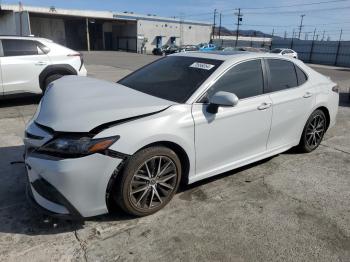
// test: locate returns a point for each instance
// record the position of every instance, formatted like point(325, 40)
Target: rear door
point(292, 99)
point(21, 65)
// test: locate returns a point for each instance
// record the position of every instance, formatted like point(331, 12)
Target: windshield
point(276, 51)
point(173, 78)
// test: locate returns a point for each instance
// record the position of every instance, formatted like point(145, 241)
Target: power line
point(294, 5)
point(269, 7)
point(298, 11)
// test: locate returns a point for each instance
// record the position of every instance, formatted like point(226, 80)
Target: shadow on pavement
point(19, 100)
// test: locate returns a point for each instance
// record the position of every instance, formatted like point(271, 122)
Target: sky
point(280, 16)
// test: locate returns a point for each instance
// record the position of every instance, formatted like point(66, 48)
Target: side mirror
point(222, 98)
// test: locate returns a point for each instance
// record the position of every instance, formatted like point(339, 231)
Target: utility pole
point(239, 20)
point(285, 35)
point(273, 32)
point(338, 47)
point(214, 24)
point(301, 25)
point(20, 8)
point(87, 34)
point(220, 27)
point(291, 44)
point(312, 46)
point(324, 31)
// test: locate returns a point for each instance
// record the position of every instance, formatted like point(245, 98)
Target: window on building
point(244, 80)
point(13, 47)
point(282, 75)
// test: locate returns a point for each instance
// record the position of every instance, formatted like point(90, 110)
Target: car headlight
point(74, 147)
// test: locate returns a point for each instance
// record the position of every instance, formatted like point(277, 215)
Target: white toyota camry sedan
point(185, 117)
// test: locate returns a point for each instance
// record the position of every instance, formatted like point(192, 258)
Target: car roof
point(16, 37)
point(229, 55)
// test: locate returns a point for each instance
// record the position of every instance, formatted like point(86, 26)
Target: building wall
point(124, 36)
point(52, 28)
point(11, 23)
point(196, 34)
point(7, 24)
point(184, 33)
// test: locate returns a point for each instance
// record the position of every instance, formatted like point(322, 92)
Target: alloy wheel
point(315, 131)
point(153, 182)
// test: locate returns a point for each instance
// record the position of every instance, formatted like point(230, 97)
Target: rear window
point(173, 78)
point(302, 78)
point(14, 47)
point(282, 75)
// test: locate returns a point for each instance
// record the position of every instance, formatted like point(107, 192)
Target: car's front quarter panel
point(174, 125)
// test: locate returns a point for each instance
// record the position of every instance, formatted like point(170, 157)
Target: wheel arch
point(326, 113)
point(63, 69)
point(179, 151)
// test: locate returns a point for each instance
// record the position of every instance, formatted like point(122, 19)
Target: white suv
point(29, 64)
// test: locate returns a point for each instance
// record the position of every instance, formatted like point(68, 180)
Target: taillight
point(335, 88)
point(81, 59)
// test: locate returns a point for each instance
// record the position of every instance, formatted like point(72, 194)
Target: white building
point(99, 30)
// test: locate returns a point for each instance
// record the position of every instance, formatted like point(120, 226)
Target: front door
point(21, 65)
point(234, 134)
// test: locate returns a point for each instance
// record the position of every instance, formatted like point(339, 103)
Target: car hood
point(80, 104)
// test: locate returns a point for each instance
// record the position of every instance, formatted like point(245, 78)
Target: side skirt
point(240, 163)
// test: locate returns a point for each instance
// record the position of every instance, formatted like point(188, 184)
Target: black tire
point(50, 79)
point(313, 132)
point(141, 197)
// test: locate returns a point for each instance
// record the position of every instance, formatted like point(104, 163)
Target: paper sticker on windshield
point(202, 66)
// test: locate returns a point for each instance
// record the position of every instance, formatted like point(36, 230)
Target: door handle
point(307, 94)
point(264, 106)
point(40, 63)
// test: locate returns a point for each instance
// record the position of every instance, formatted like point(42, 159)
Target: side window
point(244, 80)
point(302, 78)
point(282, 75)
point(14, 47)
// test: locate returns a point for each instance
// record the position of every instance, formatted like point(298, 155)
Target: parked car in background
point(187, 116)
point(247, 49)
point(285, 52)
point(188, 48)
point(207, 47)
point(166, 50)
point(29, 64)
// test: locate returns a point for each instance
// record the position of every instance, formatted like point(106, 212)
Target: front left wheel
point(149, 181)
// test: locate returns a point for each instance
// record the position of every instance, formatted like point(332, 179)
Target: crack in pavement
point(82, 244)
point(336, 149)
